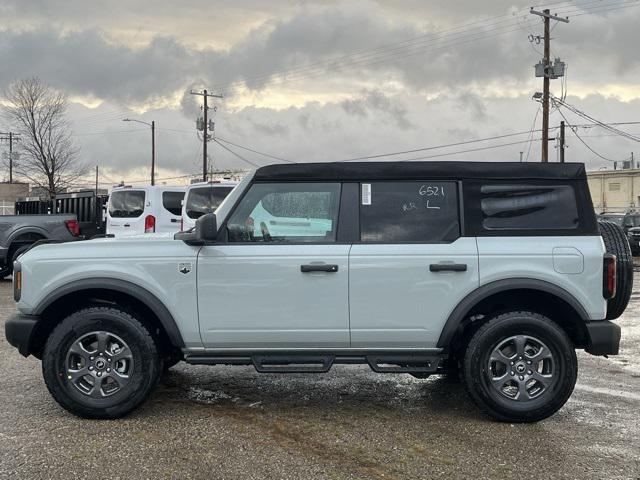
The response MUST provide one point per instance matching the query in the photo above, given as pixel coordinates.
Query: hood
(135, 246)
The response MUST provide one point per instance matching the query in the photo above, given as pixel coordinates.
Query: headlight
(17, 281)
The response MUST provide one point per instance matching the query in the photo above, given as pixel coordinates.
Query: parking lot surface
(230, 422)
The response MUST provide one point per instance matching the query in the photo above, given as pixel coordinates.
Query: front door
(411, 267)
(278, 280)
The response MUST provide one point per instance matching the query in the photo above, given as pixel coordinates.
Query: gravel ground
(231, 423)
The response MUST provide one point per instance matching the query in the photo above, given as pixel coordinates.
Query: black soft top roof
(337, 171)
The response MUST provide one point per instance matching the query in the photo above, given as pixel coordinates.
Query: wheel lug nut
(91, 358)
(513, 373)
(108, 359)
(528, 362)
(99, 374)
(521, 377)
(90, 368)
(529, 372)
(511, 363)
(108, 370)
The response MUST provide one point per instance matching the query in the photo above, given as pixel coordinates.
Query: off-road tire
(12, 256)
(475, 365)
(146, 368)
(616, 243)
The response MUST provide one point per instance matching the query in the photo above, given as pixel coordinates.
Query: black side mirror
(206, 230)
(207, 227)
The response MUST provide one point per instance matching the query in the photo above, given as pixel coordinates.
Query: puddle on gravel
(209, 397)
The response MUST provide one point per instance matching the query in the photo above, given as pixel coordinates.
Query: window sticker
(366, 194)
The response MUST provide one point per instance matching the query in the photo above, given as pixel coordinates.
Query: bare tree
(48, 157)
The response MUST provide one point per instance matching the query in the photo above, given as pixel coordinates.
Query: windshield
(126, 203)
(205, 200)
(632, 221)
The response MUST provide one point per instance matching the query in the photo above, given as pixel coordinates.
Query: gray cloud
(329, 132)
(90, 62)
(429, 92)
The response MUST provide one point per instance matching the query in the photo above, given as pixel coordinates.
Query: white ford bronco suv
(494, 271)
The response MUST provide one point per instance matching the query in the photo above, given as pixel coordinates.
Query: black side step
(217, 360)
(389, 363)
(292, 363)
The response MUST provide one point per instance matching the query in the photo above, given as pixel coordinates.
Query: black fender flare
(122, 286)
(463, 308)
(25, 230)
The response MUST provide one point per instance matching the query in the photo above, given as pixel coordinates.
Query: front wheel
(520, 367)
(100, 363)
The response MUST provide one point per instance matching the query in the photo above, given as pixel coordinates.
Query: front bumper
(604, 338)
(19, 331)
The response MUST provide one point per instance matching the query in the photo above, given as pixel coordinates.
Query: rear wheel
(100, 363)
(520, 367)
(616, 243)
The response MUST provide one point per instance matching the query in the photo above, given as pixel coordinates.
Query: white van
(201, 198)
(137, 210)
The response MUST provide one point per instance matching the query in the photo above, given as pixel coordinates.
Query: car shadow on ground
(344, 389)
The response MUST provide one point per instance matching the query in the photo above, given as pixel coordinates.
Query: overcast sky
(322, 80)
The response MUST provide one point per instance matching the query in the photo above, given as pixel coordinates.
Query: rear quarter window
(126, 203)
(505, 208)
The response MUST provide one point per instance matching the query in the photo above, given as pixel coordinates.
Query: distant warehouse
(615, 190)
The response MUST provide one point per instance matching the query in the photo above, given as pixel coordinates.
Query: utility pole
(562, 141)
(153, 153)
(633, 164)
(521, 156)
(10, 137)
(205, 125)
(153, 145)
(96, 183)
(548, 73)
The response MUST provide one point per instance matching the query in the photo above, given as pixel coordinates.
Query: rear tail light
(149, 224)
(73, 226)
(609, 274)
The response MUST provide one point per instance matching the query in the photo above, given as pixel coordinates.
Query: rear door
(169, 210)
(265, 289)
(411, 266)
(125, 215)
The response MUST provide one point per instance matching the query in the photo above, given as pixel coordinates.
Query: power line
(574, 130)
(588, 117)
(490, 147)
(256, 151)
(236, 154)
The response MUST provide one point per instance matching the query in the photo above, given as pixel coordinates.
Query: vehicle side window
(404, 212)
(286, 212)
(203, 200)
(126, 203)
(172, 201)
(528, 207)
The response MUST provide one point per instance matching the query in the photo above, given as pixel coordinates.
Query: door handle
(319, 267)
(448, 267)
(126, 225)
(175, 220)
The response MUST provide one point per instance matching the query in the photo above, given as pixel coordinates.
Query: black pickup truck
(18, 232)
